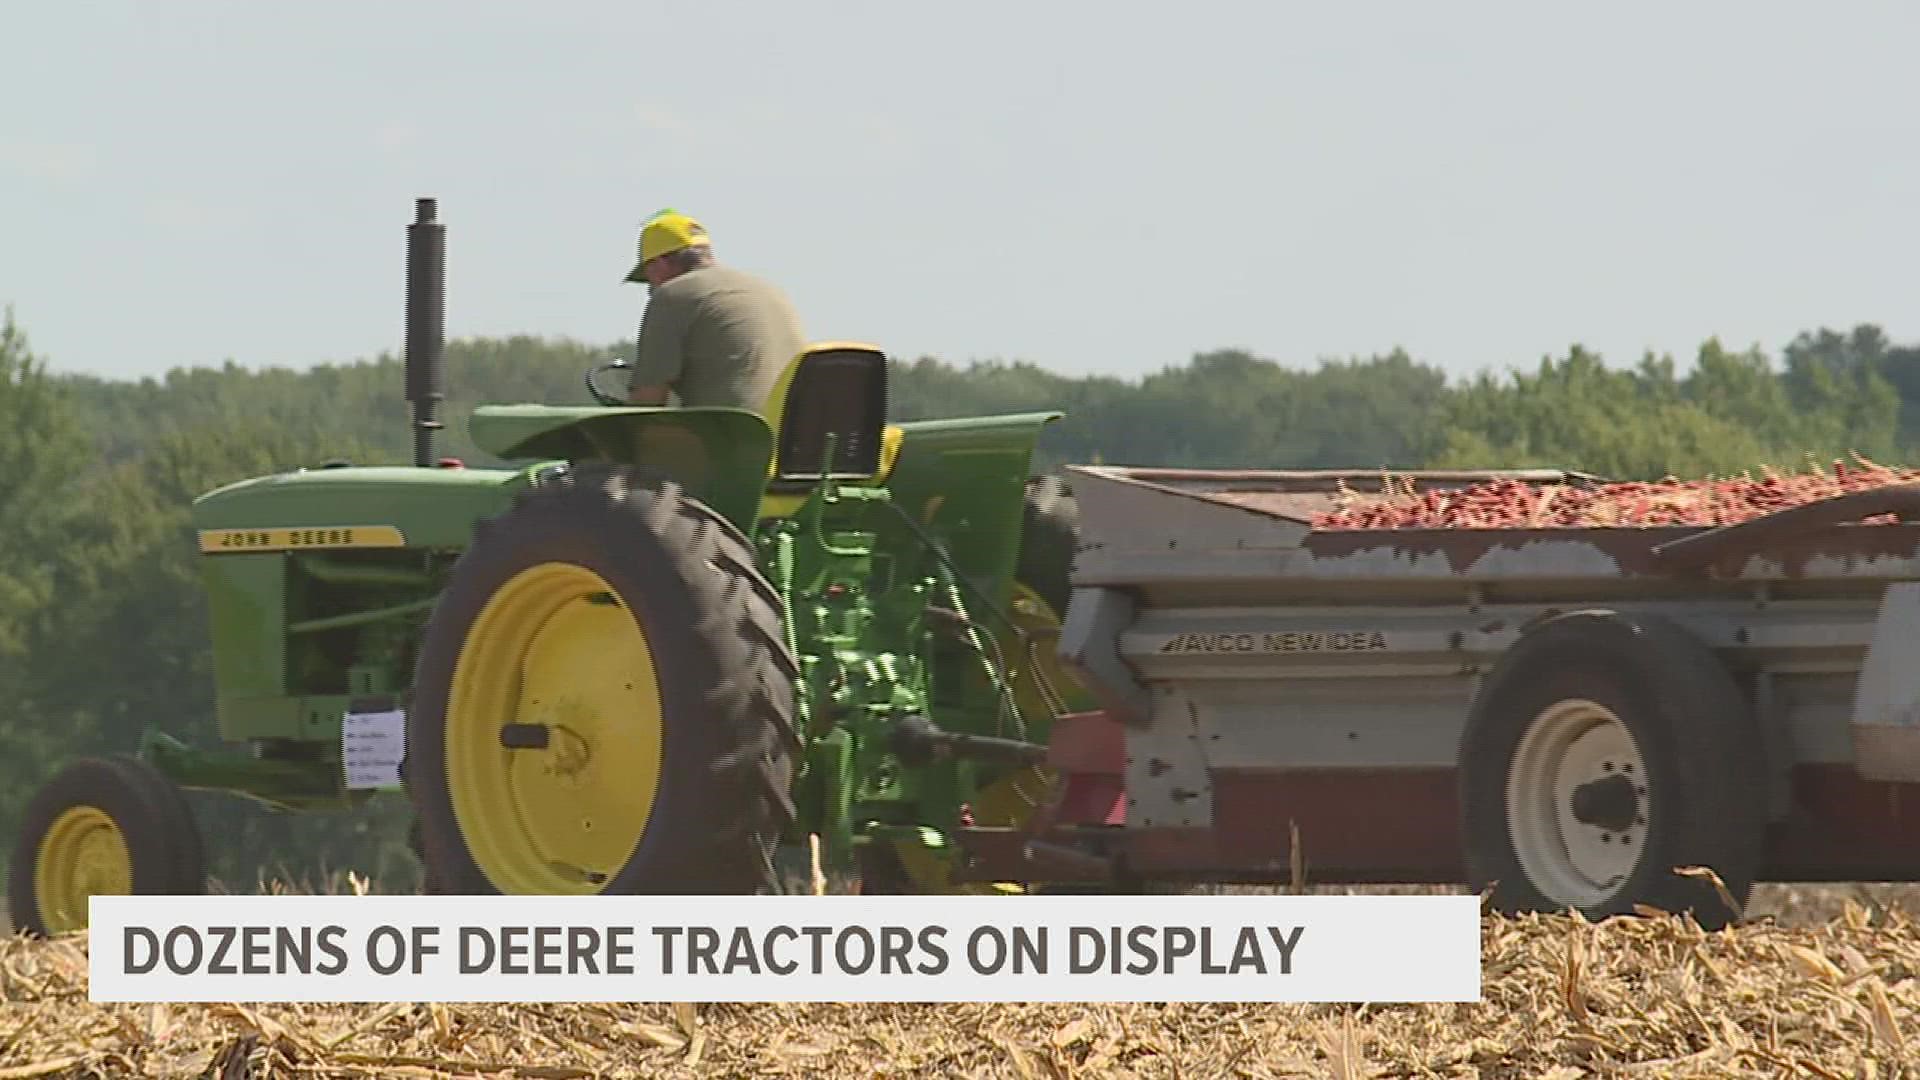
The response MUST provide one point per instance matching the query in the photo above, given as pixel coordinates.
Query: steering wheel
(594, 390)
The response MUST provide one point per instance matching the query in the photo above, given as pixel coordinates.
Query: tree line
(103, 623)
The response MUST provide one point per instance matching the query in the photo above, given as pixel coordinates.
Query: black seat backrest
(836, 389)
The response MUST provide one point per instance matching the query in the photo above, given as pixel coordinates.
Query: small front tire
(103, 826)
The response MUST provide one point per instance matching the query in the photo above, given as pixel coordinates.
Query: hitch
(917, 741)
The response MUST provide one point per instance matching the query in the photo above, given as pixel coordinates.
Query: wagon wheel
(101, 827)
(1603, 756)
(604, 701)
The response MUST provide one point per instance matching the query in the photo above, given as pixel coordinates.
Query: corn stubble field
(1822, 982)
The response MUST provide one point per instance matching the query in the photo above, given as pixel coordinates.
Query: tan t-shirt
(717, 336)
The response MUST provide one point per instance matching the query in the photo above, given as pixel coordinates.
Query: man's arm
(658, 359)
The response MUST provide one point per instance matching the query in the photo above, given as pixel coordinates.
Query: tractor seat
(837, 389)
(840, 391)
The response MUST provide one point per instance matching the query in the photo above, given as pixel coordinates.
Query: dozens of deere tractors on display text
(660, 649)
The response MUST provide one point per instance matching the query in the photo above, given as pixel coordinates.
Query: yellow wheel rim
(555, 647)
(1011, 801)
(1037, 617)
(81, 855)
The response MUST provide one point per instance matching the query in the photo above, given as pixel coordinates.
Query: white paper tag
(371, 745)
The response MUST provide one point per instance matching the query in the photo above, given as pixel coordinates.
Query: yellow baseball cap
(666, 231)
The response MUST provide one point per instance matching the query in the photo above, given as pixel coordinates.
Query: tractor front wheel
(104, 826)
(604, 700)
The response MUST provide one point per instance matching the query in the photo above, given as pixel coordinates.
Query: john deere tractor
(657, 650)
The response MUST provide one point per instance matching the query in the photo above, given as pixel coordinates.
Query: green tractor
(662, 650)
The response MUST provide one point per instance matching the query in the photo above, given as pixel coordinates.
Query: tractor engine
(319, 580)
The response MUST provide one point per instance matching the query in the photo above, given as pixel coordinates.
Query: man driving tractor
(711, 334)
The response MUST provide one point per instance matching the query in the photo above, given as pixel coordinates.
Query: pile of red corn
(1510, 504)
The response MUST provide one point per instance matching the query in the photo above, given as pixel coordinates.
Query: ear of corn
(1513, 504)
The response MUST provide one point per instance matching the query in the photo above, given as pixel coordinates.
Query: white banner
(785, 948)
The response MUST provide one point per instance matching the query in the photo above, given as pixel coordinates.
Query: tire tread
(745, 673)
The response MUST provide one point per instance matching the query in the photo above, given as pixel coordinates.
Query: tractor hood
(366, 506)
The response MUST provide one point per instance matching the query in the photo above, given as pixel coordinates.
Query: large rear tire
(604, 700)
(103, 826)
(1604, 754)
(1049, 538)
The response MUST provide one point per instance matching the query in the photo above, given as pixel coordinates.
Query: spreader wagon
(1577, 717)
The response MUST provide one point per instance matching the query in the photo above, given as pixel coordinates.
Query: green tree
(42, 464)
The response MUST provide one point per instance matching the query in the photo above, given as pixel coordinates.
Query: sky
(1096, 189)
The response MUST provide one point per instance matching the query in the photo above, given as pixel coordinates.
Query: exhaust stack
(426, 326)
